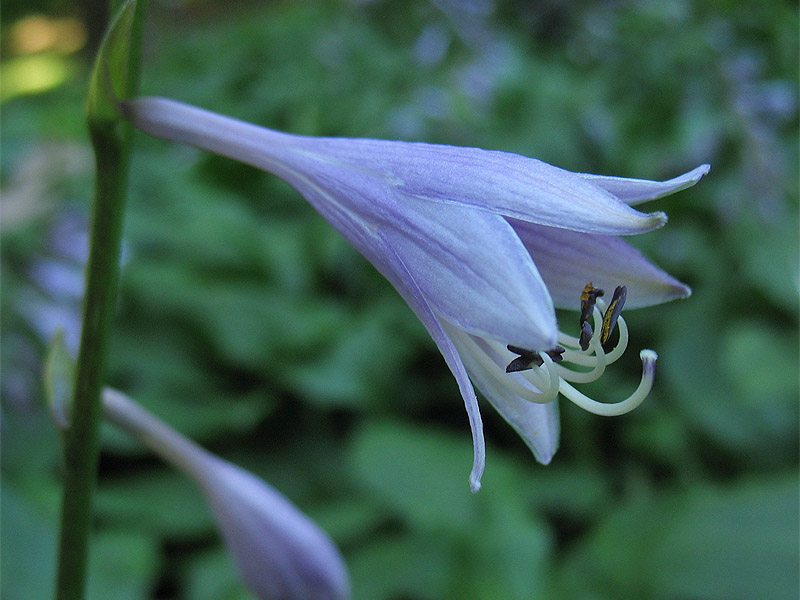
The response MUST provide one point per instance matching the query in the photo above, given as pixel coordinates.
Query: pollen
(612, 313)
(589, 297)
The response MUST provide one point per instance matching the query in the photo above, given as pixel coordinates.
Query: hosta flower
(281, 553)
(483, 246)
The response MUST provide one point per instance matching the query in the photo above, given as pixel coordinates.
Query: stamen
(550, 392)
(619, 408)
(578, 356)
(622, 342)
(535, 375)
(488, 354)
(612, 312)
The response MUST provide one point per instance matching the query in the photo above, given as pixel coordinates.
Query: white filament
(542, 384)
(617, 408)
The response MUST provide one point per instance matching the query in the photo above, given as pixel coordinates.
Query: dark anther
(612, 313)
(556, 354)
(586, 335)
(589, 296)
(527, 359)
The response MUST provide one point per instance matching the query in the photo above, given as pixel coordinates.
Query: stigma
(540, 376)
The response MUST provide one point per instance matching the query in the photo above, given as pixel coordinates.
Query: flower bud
(281, 554)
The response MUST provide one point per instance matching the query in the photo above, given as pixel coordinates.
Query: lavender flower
(483, 246)
(281, 553)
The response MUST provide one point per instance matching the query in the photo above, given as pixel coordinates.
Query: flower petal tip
(698, 173)
(674, 290)
(689, 178)
(474, 485)
(475, 478)
(636, 191)
(657, 219)
(685, 181)
(544, 458)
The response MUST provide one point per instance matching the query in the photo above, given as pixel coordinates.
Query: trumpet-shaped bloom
(483, 245)
(281, 553)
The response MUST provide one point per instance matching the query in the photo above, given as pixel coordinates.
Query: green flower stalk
(115, 75)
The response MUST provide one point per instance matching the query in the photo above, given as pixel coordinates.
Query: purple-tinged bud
(280, 553)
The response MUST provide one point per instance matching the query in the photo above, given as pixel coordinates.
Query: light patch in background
(39, 47)
(39, 33)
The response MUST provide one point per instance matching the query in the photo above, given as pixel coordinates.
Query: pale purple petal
(568, 260)
(537, 424)
(475, 272)
(635, 191)
(499, 182)
(470, 265)
(380, 252)
(404, 281)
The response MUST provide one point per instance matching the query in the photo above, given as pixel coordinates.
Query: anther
(586, 335)
(612, 313)
(556, 354)
(527, 359)
(589, 296)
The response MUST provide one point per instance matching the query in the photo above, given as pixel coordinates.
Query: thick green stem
(111, 140)
(81, 449)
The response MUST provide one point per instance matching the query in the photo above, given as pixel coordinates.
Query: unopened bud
(280, 552)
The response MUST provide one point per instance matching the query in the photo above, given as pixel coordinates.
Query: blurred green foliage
(248, 323)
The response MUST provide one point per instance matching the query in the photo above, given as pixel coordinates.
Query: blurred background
(249, 324)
